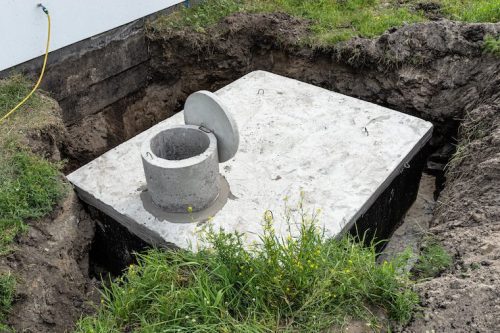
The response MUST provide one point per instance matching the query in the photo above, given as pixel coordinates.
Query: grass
(492, 45)
(470, 130)
(471, 10)
(29, 185)
(7, 288)
(333, 21)
(29, 188)
(300, 283)
(13, 90)
(433, 260)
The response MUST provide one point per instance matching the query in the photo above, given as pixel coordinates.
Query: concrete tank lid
(205, 109)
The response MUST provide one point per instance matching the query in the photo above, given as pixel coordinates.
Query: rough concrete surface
(340, 151)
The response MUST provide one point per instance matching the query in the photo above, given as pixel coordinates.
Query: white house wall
(23, 25)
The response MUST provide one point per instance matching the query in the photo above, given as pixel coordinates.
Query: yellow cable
(39, 79)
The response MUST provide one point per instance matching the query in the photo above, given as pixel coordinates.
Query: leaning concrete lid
(205, 109)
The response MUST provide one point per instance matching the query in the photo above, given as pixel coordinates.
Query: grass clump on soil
(7, 288)
(29, 185)
(300, 283)
(433, 260)
(472, 128)
(333, 21)
(492, 45)
(13, 90)
(29, 188)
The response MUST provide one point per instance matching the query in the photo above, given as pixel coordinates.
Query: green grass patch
(29, 188)
(433, 260)
(13, 90)
(7, 289)
(300, 283)
(492, 45)
(472, 10)
(29, 185)
(333, 21)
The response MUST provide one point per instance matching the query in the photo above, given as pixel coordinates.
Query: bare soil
(467, 221)
(51, 265)
(435, 70)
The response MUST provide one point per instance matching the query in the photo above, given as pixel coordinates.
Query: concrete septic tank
(181, 162)
(357, 161)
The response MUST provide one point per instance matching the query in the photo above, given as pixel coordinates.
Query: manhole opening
(179, 143)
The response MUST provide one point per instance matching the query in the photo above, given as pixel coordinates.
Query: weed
(7, 288)
(492, 45)
(299, 282)
(433, 260)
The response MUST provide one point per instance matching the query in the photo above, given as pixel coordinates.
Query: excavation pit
(358, 162)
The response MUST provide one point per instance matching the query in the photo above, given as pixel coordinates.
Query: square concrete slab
(339, 151)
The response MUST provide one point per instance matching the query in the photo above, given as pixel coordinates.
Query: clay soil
(436, 70)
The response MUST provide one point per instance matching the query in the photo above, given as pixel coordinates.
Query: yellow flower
(190, 209)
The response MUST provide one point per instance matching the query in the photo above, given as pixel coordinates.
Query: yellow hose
(41, 74)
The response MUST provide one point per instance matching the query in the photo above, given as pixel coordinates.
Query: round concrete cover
(205, 109)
